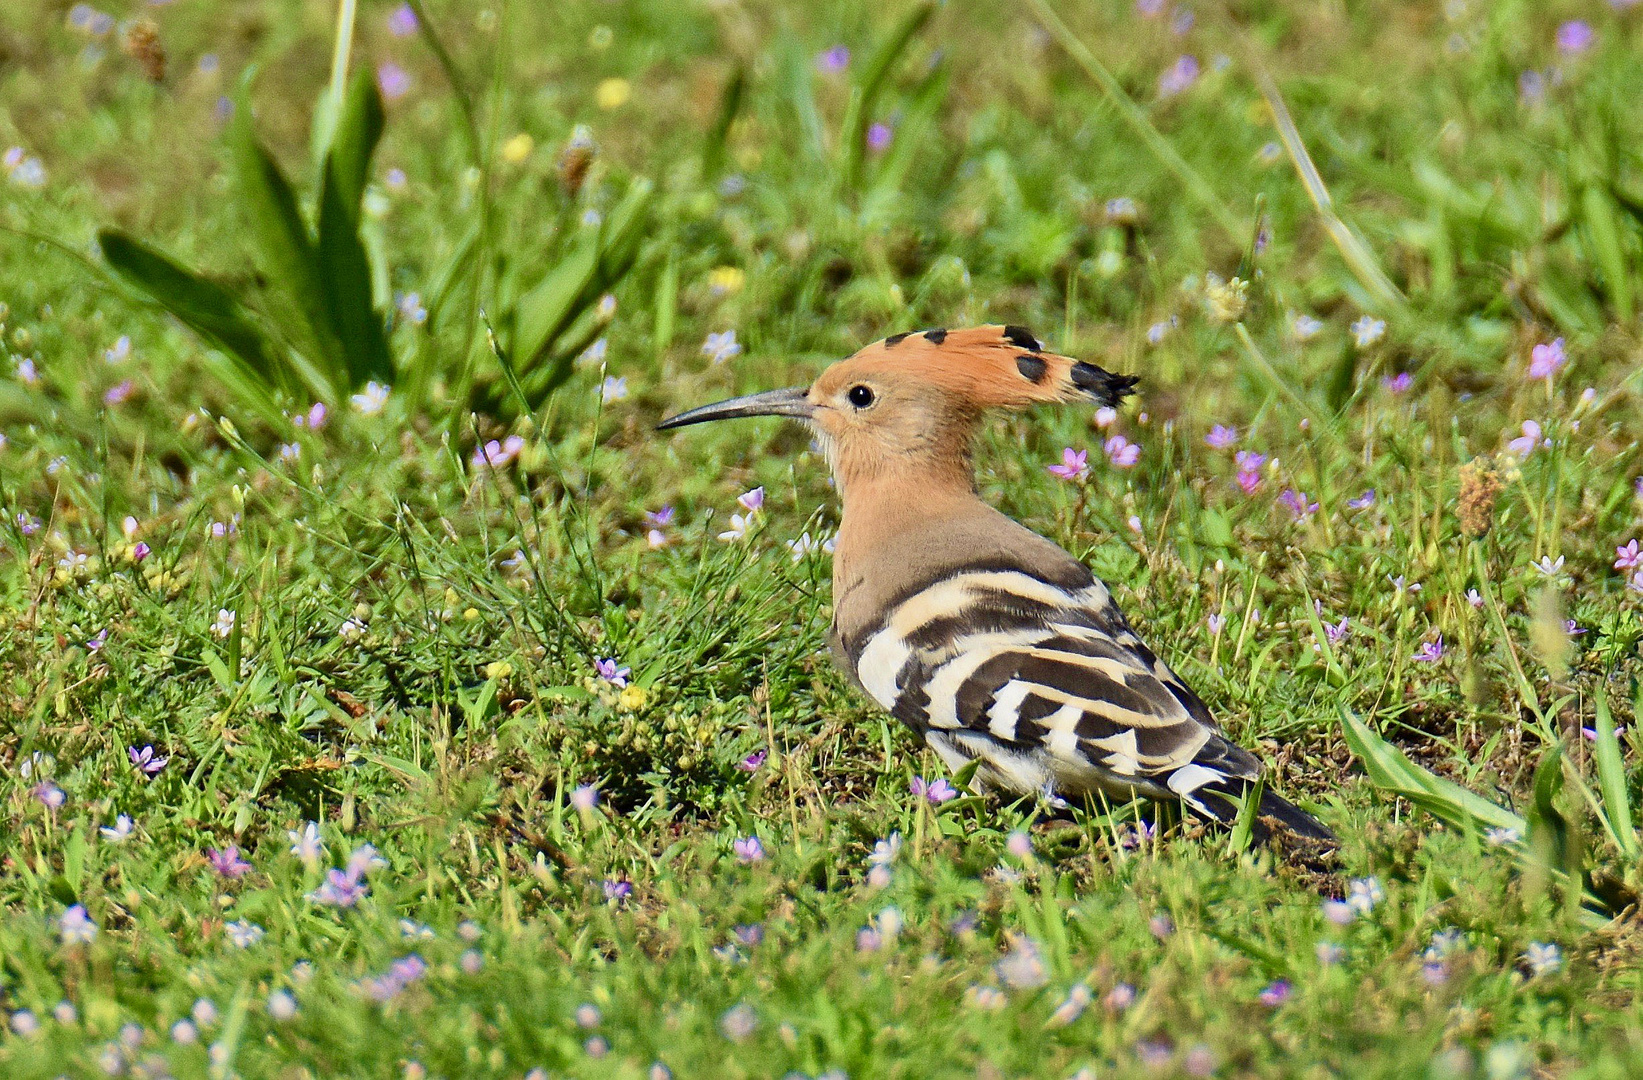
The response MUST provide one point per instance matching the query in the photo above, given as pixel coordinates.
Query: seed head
(1480, 486)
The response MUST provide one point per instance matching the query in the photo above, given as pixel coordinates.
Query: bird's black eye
(861, 396)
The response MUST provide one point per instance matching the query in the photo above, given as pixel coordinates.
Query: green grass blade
(1611, 779)
(730, 104)
(909, 143)
(667, 302)
(866, 94)
(1243, 830)
(1136, 118)
(328, 109)
(1360, 259)
(622, 232)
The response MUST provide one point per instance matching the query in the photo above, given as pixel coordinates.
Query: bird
(988, 640)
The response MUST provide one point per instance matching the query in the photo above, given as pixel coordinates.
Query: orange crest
(1002, 367)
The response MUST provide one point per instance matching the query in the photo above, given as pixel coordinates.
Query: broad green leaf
(1611, 777)
(622, 232)
(285, 249)
(549, 306)
(1390, 770)
(357, 133)
(203, 306)
(1603, 230)
(345, 277)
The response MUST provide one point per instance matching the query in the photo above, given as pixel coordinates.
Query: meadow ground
(379, 696)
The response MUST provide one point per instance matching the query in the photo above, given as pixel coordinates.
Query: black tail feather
(1293, 818)
(1216, 801)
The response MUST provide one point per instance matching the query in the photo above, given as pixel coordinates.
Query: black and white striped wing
(1048, 686)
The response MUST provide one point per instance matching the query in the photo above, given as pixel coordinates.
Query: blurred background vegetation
(332, 340)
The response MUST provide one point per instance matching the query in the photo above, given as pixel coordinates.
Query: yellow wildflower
(725, 280)
(613, 94)
(518, 148)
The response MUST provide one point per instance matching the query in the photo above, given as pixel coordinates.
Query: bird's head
(913, 400)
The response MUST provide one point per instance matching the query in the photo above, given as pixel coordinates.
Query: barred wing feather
(1047, 684)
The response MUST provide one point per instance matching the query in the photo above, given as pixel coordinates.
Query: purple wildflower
(585, 797)
(498, 454)
(1525, 445)
(1149, 9)
(1181, 22)
(751, 762)
(1545, 359)
(878, 137)
(749, 934)
(617, 890)
(119, 392)
(1339, 912)
(1119, 998)
(1180, 75)
(1575, 36)
(1216, 622)
(1277, 993)
(1336, 633)
(1430, 652)
(748, 849)
(935, 791)
(227, 862)
(1399, 383)
(1297, 505)
(739, 1022)
(362, 860)
(751, 501)
(76, 927)
(608, 671)
(834, 60)
(1363, 501)
(146, 760)
(662, 518)
(1249, 480)
(140, 551)
(1121, 452)
(1628, 557)
(402, 21)
(1221, 436)
(1531, 87)
(1074, 464)
(339, 890)
(50, 795)
(393, 80)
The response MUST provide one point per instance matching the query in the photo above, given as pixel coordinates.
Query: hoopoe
(988, 640)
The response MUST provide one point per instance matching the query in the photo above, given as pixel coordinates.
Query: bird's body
(987, 639)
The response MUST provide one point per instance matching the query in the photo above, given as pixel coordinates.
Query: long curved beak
(789, 402)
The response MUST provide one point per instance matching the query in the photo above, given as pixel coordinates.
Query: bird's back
(994, 643)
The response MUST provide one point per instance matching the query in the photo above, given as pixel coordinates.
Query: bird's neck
(882, 510)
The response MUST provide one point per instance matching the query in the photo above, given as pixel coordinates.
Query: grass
(360, 625)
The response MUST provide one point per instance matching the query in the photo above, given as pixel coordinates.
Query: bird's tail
(1216, 801)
